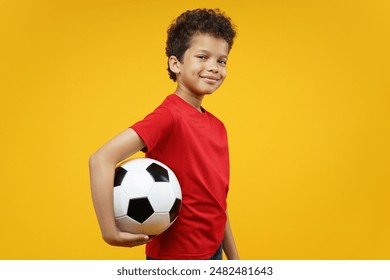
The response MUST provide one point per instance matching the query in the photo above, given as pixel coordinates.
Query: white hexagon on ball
(157, 223)
(161, 197)
(127, 224)
(137, 183)
(175, 186)
(121, 202)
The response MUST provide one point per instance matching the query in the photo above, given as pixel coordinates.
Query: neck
(192, 99)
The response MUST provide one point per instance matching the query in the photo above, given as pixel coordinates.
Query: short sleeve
(155, 128)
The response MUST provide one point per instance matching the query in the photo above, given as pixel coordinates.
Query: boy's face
(203, 67)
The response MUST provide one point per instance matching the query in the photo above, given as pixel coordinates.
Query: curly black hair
(181, 31)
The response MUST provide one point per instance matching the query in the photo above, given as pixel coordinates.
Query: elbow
(102, 158)
(109, 239)
(96, 160)
(93, 159)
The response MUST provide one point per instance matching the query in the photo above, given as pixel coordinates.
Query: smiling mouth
(210, 79)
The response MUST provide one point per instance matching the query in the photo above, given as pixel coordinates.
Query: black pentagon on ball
(159, 173)
(174, 212)
(140, 209)
(120, 173)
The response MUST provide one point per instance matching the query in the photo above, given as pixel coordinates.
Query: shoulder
(168, 105)
(165, 109)
(160, 117)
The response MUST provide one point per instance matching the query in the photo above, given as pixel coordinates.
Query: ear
(174, 64)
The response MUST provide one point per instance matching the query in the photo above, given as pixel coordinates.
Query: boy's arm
(228, 244)
(102, 170)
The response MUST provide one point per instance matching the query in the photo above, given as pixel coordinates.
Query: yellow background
(306, 104)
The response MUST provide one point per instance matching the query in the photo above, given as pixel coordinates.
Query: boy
(184, 136)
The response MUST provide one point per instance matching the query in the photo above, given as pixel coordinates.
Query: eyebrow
(208, 52)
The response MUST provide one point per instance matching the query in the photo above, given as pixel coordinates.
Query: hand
(125, 239)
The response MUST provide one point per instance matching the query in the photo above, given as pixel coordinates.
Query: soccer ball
(147, 196)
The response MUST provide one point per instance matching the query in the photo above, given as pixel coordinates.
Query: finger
(143, 239)
(138, 243)
(131, 240)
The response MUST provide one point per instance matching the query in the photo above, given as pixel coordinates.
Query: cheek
(196, 67)
(223, 73)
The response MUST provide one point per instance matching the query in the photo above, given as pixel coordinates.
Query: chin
(209, 91)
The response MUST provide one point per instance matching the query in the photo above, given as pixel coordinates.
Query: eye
(201, 56)
(223, 62)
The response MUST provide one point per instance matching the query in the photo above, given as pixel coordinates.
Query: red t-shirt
(194, 145)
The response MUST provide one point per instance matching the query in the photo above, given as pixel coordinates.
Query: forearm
(229, 245)
(101, 178)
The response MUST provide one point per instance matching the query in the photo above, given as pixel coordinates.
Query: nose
(212, 66)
